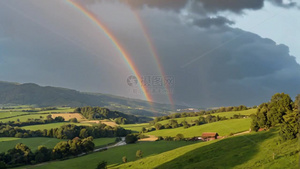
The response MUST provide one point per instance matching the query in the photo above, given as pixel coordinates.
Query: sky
(214, 53)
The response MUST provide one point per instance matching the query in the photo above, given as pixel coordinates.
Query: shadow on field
(226, 153)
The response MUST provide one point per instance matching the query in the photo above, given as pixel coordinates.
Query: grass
(52, 125)
(223, 128)
(7, 114)
(135, 127)
(33, 143)
(7, 143)
(226, 114)
(114, 155)
(253, 150)
(100, 142)
(16, 114)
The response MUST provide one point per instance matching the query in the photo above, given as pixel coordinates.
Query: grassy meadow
(52, 125)
(223, 128)
(114, 155)
(135, 127)
(226, 114)
(7, 143)
(255, 150)
(17, 114)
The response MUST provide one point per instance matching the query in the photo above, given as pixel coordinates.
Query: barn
(209, 136)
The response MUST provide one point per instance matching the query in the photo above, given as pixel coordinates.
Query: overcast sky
(219, 53)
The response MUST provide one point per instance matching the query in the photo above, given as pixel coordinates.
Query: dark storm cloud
(210, 5)
(209, 22)
(241, 67)
(229, 66)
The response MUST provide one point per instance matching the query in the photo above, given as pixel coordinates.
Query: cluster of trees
(200, 113)
(22, 155)
(104, 113)
(48, 119)
(178, 137)
(280, 111)
(69, 131)
(174, 123)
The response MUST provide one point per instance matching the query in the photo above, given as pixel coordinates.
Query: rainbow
(154, 54)
(115, 42)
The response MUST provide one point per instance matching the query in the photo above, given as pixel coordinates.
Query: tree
(185, 124)
(124, 159)
(42, 154)
(173, 123)
(139, 154)
(74, 120)
(59, 119)
(102, 165)
(158, 126)
(291, 123)
(83, 133)
(179, 137)
(2, 165)
(130, 139)
(19, 135)
(144, 130)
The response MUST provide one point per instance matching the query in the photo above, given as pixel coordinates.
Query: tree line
(29, 121)
(174, 123)
(96, 113)
(68, 131)
(22, 154)
(200, 113)
(279, 111)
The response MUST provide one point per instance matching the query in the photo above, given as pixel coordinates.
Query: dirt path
(245, 132)
(151, 138)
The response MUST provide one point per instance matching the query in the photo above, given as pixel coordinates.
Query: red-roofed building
(209, 136)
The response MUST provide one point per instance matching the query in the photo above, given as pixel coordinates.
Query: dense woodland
(94, 113)
(280, 111)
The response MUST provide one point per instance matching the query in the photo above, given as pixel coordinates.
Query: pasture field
(16, 114)
(52, 125)
(7, 114)
(114, 155)
(32, 143)
(7, 143)
(100, 142)
(226, 114)
(24, 118)
(135, 127)
(223, 128)
(254, 150)
(68, 116)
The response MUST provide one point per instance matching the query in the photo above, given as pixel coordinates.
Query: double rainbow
(121, 49)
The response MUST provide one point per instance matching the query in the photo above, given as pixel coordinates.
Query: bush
(139, 154)
(74, 120)
(102, 165)
(130, 139)
(124, 159)
(179, 137)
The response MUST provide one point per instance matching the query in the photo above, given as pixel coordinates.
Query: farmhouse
(209, 136)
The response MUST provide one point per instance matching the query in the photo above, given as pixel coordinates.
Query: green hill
(33, 94)
(226, 114)
(255, 150)
(223, 128)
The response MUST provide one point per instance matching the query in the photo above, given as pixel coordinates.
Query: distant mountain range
(33, 94)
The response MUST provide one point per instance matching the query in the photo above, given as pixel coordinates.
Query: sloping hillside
(32, 94)
(255, 150)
